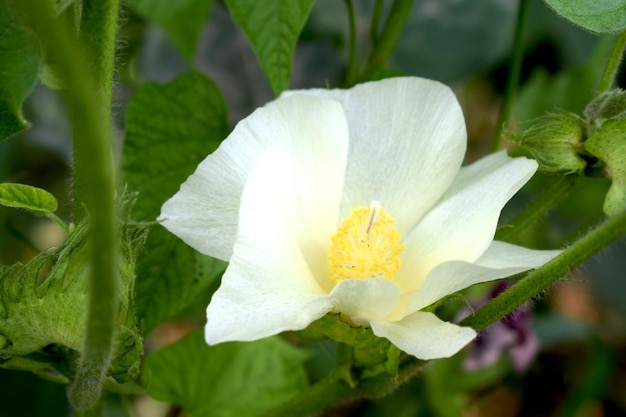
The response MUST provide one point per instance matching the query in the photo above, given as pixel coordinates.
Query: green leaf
(173, 280)
(486, 25)
(569, 90)
(19, 64)
(227, 380)
(182, 20)
(32, 199)
(273, 27)
(595, 16)
(608, 143)
(170, 128)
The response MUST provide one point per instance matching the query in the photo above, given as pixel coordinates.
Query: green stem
(59, 221)
(334, 388)
(89, 107)
(542, 278)
(383, 384)
(612, 66)
(376, 14)
(389, 34)
(351, 72)
(97, 35)
(514, 74)
(93, 166)
(328, 391)
(549, 197)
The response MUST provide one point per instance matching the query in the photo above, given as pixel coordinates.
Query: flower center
(366, 245)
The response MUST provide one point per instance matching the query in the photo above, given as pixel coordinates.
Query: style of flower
(353, 202)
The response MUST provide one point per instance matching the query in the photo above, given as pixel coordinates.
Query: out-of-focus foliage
(479, 33)
(19, 64)
(596, 16)
(182, 20)
(170, 129)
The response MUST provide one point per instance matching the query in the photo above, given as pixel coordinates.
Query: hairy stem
(87, 76)
(59, 221)
(94, 164)
(542, 278)
(514, 74)
(97, 34)
(612, 66)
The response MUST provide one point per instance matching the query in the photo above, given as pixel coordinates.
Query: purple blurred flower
(511, 335)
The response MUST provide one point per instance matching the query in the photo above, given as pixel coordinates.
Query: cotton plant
(351, 202)
(331, 236)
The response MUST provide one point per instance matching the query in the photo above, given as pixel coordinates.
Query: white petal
(462, 225)
(407, 142)
(499, 261)
(504, 255)
(424, 335)
(365, 299)
(268, 286)
(313, 130)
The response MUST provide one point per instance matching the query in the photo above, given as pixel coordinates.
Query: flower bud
(555, 141)
(43, 312)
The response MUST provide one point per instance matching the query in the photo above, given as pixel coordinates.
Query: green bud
(609, 105)
(125, 365)
(555, 141)
(608, 143)
(43, 311)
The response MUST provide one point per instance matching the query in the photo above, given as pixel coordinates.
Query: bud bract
(555, 141)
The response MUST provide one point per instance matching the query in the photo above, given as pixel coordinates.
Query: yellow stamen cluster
(366, 245)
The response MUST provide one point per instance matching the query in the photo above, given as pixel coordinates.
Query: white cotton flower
(354, 202)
